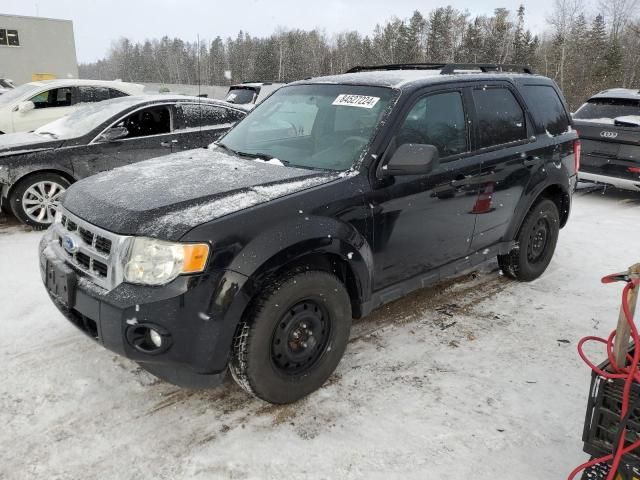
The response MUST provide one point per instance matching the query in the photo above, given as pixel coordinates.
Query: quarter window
(500, 117)
(547, 108)
(437, 120)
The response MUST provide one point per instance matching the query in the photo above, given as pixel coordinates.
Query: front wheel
(536, 243)
(293, 337)
(35, 199)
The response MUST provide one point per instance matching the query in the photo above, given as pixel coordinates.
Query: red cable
(628, 373)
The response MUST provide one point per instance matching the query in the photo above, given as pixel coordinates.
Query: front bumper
(191, 311)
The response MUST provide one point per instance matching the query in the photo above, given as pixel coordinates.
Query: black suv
(609, 127)
(256, 254)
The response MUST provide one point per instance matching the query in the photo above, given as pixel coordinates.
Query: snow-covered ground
(465, 380)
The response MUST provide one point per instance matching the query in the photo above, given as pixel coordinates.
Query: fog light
(155, 338)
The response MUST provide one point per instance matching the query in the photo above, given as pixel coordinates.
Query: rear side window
(500, 117)
(547, 107)
(608, 108)
(200, 115)
(92, 94)
(437, 120)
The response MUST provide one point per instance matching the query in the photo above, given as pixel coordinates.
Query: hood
(168, 196)
(11, 143)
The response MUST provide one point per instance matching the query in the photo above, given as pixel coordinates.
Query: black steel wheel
(535, 243)
(293, 337)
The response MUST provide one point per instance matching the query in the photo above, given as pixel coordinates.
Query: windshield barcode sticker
(361, 101)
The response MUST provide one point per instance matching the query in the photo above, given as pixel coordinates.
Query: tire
(32, 192)
(536, 243)
(274, 358)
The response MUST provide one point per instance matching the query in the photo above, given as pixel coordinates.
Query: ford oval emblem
(606, 134)
(70, 244)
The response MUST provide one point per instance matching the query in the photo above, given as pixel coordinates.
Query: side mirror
(112, 134)
(24, 107)
(412, 159)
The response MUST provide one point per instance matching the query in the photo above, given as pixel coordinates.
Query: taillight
(634, 169)
(577, 151)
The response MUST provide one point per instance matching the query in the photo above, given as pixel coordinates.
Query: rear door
(503, 132)
(199, 124)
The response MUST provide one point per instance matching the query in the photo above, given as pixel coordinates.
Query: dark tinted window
(547, 107)
(149, 121)
(608, 108)
(500, 117)
(58, 97)
(437, 120)
(92, 94)
(3, 36)
(200, 115)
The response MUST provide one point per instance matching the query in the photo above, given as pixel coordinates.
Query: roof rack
(447, 68)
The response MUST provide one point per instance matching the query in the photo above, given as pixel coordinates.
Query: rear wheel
(36, 198)
(536, 243)
(293, 337)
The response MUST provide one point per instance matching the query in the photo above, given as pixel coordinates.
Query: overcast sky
(98, 22)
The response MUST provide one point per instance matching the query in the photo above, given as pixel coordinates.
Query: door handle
(169, 144)
(530, 161)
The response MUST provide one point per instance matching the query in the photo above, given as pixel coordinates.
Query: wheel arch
(68, 175)
(555, 192)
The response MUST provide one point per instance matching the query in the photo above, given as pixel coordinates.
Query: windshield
(607, 109)
(313, 126)
(241, 96)
(83, 120)
(16, 93)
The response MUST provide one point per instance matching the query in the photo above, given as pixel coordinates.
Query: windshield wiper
(230, 150)
(262, 156)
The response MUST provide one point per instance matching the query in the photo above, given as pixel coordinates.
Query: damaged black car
(37, 167)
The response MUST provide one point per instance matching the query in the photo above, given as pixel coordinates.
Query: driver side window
(146, 122)
(58, 97)
(437, 120)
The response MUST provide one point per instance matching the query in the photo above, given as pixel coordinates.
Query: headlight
(155, 262)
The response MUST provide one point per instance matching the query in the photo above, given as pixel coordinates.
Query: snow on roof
(627, 93)
(75, 82)
(402, 78)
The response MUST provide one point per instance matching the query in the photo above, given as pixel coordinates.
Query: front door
(49, 105)
(150, 135)
(421, 222)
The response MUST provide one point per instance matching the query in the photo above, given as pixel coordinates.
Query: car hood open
(168, 196)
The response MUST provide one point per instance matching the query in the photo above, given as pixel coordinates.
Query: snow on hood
(168, 196)
(11, 142)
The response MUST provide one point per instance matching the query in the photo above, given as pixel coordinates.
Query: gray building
(34, 48)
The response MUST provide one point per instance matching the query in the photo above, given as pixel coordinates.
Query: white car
(29, 106)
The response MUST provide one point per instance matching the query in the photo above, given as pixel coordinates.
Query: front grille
(91, 249)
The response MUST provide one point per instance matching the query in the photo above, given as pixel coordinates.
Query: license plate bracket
(61, 282)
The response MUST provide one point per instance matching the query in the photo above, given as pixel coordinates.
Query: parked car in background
(251, 93)
(37, 167)
(256, 253)
(34, 104)
(609, 127)
(6, 85)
